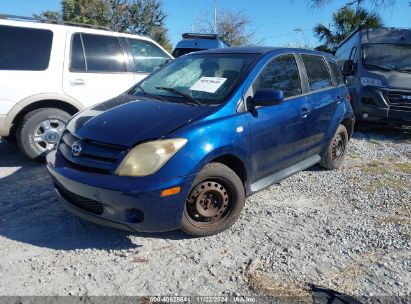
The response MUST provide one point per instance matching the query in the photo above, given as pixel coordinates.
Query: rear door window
(102, 54)
(147, 56)
(24, 49)
(281, 74)
(77, 58)
(317, 72)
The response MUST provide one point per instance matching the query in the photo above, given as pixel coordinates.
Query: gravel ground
(349, 230)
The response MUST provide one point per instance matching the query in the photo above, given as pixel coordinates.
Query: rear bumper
(4, 130)
(120, 198)
(373, 105)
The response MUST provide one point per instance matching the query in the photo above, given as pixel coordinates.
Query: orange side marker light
(171, 191)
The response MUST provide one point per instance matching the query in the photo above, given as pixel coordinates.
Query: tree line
(147, 17)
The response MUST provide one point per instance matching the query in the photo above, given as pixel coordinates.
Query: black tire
(223, 189)
(30, 122)
(337, 150)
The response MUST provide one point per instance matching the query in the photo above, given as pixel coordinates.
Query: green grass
(376, 167)
(398, 220)
(403, 167)
(408, 234)
(374, 141)
(387, 182)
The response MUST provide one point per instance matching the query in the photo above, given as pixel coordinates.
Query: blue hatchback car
(184, 147)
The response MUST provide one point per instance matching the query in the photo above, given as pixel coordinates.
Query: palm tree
(344, 21)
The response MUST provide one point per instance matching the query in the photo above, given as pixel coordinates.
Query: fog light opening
(134, 215)
(365, 115)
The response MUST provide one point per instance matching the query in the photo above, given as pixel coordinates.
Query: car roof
(262, 50)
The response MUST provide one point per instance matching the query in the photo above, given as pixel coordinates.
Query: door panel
(323, 98)
(95, 69)
(323, 106)
(278, 136)
(278, 131)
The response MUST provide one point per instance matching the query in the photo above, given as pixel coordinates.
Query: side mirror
(268, 97)
(348, 68)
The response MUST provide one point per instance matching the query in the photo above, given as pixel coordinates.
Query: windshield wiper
(177, 92)
(150, 95)
(378, 67)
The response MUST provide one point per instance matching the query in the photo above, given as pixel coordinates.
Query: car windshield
(201, 79)
(387, 57)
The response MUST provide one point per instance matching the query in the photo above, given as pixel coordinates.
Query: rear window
(24, 49)
(96, 53)
(183, 51)
(317, 72)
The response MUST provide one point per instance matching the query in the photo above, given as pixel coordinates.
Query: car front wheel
(215, 201)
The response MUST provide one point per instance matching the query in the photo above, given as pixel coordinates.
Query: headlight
(147, 158)
(366, 81)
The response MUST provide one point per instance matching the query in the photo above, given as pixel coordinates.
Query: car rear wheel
(215, 201)
(40, 131)
(337, 150)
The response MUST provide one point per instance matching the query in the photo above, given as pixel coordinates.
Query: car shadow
(369, 131)
(31, 213)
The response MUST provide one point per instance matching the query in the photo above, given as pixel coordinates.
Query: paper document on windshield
(208, 84)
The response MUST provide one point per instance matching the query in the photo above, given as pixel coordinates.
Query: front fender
(207, 140)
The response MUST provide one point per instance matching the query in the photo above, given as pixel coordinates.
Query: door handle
(304, 112)
(338, 100)
(76, 82)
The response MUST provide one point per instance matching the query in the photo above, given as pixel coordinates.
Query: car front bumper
(128, 203)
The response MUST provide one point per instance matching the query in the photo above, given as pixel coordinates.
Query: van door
(324, 99)
(146, 56)
(95, 68)
(278, 131)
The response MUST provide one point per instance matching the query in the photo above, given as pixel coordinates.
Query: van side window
(317, 72)
(24, 49)
(146, 55)
(281, 74)
(102, 54)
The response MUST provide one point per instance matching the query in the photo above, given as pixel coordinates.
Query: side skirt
(280, 175)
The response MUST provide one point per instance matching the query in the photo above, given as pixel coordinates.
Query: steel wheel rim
(210, 202)
(338, 147)
(47, 134)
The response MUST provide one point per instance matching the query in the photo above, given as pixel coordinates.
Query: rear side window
(336, 72)
(281, 74)
(96, 53)
(24, 49)
(317, 72)
(77, 59)
(146, 55)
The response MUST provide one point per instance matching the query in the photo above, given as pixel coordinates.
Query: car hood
(127, 120)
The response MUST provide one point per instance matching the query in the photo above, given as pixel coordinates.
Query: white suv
(48, 72)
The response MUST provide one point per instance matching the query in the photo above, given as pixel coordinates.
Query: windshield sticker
(208, 84)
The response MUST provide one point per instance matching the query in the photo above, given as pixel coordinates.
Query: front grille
(401, 99)
(84, 203)
(94, 156)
